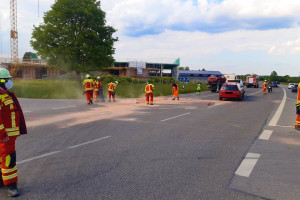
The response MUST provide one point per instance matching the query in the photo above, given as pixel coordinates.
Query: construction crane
(13, 32)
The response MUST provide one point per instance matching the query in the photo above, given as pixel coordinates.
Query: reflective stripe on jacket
(88, 84)
(112, 87)
(149, 88)
(97, 85)
(12, 122)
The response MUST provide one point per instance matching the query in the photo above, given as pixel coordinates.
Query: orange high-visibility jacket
(97, 85)
(149, 88)
(112, 87)
(12, 122)
(265, 84)
(88, 84)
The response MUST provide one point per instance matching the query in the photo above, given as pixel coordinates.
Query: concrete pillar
(174, 72)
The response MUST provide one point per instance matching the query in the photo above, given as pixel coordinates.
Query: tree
(186, 68)
(203, 69)
(180, 68)
(273, 76)
(74, 36)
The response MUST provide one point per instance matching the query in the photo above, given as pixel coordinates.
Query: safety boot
(1, 183)
(173, 99)
(178, 98)
(12, 190)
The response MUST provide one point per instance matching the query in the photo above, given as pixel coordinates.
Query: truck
(215, 82)
(252, 81)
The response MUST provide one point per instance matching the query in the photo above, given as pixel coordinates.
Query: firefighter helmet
(116, 82)
(87, 76)
(4, 73)
(98, 77)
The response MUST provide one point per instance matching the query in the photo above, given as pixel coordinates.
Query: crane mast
(13, 32)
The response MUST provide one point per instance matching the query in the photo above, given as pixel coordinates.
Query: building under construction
(141, 69)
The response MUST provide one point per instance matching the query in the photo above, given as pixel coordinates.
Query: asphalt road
(186, 149)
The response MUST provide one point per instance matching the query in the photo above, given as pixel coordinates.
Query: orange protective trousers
(149, 96)
(111, 94)
(89, 95)
(175, 92)
(297, 123)
(8, 161)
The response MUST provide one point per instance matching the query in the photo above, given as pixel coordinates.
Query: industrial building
(188, 75)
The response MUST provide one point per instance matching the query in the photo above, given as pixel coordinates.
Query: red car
(231, 90)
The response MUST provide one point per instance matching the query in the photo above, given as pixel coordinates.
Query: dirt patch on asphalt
(118, 110)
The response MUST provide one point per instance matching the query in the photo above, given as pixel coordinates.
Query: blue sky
(232, 36)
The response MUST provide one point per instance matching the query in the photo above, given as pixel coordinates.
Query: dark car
(275, 84)
(231, 90)
(294, 88)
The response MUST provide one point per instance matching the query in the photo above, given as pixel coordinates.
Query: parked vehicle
(275, 84)
(291, 85)
(232, 90)
(294, 88)
(215, 82)
(236, 81)
(252, 81)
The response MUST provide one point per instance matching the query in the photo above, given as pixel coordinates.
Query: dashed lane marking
(55, 152)
(64, 107)
(37, 157)
(253, 93)
(291, 99)
(265, 135)
(277, 115)
(247, 165)
(78, 145)
(175, 117)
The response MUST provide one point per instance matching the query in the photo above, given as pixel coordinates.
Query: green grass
(54, 89)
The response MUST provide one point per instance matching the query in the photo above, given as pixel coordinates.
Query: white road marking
(285, 126)
(175, 117)
(254, 93)
(212, 106)
(277, 115)
(64, 107)
(265, 135)
(78, 145)
(27, 111)
(37, 157)
(291, 99)
(191, 108)
(247, 165)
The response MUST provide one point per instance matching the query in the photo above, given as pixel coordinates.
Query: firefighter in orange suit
(98, 89)
(175, 91)
(12, 124)
(88, 84)
(264, 89)
(149, 93)
(297, 123)
(112, 86)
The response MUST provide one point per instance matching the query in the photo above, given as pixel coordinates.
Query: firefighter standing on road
(98, 89)
(112, 86)
(149, 93)
(88, 84)
(12, 124)
(297, 123)
(175, 91)
(264, 89)
(198, 88)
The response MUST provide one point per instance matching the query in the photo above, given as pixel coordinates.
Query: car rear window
(229, 87)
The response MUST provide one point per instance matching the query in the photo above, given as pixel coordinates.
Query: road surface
(194, 148)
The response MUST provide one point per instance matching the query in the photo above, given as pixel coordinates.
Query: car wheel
(220, 98)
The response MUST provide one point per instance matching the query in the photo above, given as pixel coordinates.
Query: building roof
(199, 72)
